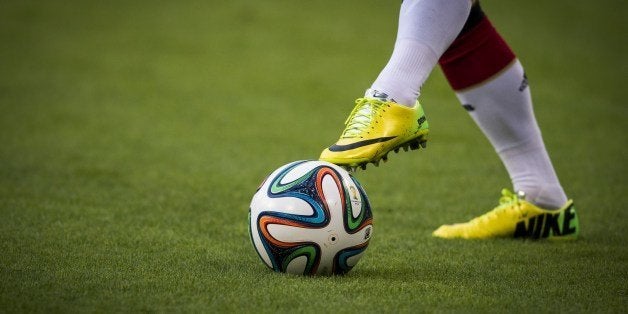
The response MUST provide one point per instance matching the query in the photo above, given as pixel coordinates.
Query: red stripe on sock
(475, 56)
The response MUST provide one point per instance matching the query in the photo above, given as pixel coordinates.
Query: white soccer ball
(310, 218)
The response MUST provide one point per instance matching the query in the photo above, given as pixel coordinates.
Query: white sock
(426, 29)
(502, 108)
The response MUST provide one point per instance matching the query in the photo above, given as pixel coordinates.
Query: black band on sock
(475, 16)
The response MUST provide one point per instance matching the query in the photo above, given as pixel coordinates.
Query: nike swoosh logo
(340, 148)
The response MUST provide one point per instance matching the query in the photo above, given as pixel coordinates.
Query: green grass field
(133, 135)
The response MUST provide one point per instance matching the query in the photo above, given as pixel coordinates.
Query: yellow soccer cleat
(517, 218)
(373, 129)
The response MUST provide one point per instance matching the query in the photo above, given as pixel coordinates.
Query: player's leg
(389, 117)
(491, 85)
(426, 29)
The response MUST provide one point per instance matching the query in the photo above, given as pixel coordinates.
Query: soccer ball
(310, 218)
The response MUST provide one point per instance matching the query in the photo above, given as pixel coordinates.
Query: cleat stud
(363, 166)
(396, 150)
(414, 145)
(385, 158)
(424, 144)
(405, 148)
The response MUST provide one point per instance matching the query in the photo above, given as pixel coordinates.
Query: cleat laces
(508, 201)
(361, 117)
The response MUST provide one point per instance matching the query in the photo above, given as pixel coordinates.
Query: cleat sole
(414, 144)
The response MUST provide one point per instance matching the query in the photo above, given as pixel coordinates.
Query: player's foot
(375, 127)
(517, 218)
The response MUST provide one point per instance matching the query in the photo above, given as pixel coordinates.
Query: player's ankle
(551, 196)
